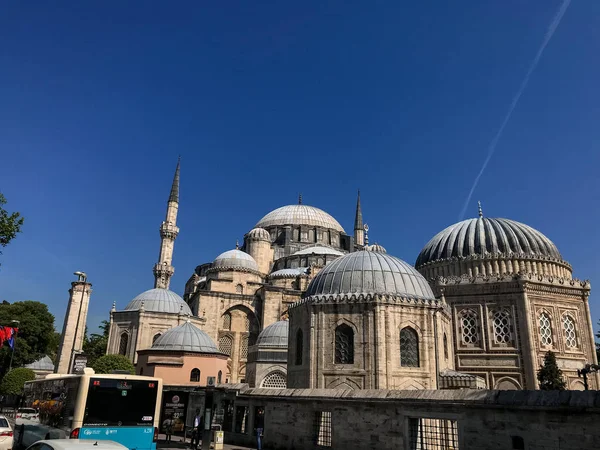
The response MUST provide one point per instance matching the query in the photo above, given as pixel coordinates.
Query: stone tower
(163, 269)
(258, 245)
(359, 232)
(71, 341)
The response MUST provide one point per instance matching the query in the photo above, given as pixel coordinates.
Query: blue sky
(262, 101)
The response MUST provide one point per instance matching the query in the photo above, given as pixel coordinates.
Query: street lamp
(12, 355)
(81, 276)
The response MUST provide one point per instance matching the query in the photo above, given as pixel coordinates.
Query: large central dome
(299, 215)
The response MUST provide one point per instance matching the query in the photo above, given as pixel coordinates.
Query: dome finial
(300, 198)
(480, 210)
(237, 244)
(366, 227)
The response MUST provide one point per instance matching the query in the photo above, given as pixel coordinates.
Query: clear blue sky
(267, 99)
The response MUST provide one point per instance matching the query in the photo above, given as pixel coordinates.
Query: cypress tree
(550, 376)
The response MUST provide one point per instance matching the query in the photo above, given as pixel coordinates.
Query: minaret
(359, 232)
(163, 269)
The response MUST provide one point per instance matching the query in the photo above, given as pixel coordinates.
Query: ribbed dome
(186, 338)
(375, 248)
(289, 273)
(45, 363)
(299, 215)
(235, 259)
(259, 234)
(318, 250)
(275, 335)
(370, 273)
(159, 300)
(484, 236)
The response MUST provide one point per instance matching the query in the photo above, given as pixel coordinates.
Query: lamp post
(81, 276)
(12, 355)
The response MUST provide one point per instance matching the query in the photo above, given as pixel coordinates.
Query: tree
(36, 331)
(95, 346)
(53, 344)
(109, 363)
(13, 381)
(550, 376)
(10, 224)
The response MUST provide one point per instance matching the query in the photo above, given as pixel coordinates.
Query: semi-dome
(275, 335)
(289, 273)
(159, 300)
(185, 338)
(299, 215)
(367, 272)
(375, 248)
(318, 250)
(235, 260)
(259, 234)
(487, 237)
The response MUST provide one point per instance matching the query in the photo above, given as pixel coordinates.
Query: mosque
(302, 304)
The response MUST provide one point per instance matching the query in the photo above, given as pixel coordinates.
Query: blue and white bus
(116, 407)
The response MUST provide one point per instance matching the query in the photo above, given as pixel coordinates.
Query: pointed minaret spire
(359, 232)
(480, 210)
(163, 269)
(300, 198)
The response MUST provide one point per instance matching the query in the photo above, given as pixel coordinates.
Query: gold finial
(300, 198)
(480, 210)
(237, 244)
(366, 228)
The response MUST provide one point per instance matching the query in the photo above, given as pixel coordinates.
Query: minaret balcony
(168, 230)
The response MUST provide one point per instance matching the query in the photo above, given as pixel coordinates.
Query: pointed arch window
(239, 289)
(155, 337)
(225, 345)
(344, 344)
(123, 342)
(469, 327)
(274, 380)
(545, 330)
(220, 376)
(445, 346)
(226, 321)
(409, 347)
(195, 375)
(570, 333)
(244, 348)
(299, 343)
(501, 323)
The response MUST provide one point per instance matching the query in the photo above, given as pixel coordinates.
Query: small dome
(299, 215)
(318, 250)
(375, 248)
(186, 338)
(235, 260)
(159, 300)
(44, 363)
(289, 273)
(367, 272)
(484, 236)
(275, 335)
(259, 234)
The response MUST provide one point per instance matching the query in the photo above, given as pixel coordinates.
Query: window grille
(409, 348)
(570, 335)
(275, 380)
(244, 348)
(195, 375)
(156, 336)
(445, 346)
(545, 329)
(123, 344)
(225, 345)
(501, 325)
(432, 434)
(227, 321)
(247, 323)
(344, 344)
(470, 327)
(299, 342)
(323, 429)
(239, 289)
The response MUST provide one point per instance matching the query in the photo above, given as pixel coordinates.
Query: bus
(118, 407)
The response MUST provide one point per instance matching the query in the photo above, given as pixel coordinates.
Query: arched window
(409, 347)
(501, 326)
(570, 334)
(299, 342)
(445, 346)
(195, 375)
(274, 380)
(220, 376)
(155, 337)
(469, 326)
(227, 321)
(244, 347)
(225, 345)
(545, 329)
(344, 344)
(239, 289)
(123, 344)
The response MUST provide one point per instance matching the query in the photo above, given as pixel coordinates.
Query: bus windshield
(120, 403)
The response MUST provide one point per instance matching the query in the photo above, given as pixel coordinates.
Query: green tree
(95, 346)
(550, 376)
(53, 344)
(13, 381)
(109, 363)
(36, 331)
(10, 224)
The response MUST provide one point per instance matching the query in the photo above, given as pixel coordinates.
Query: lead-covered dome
(299, 215)
(185, 338)
(318, 250)
(368, 272)
(275, 335)
(235, 260)
(159, 300)
(259, 234)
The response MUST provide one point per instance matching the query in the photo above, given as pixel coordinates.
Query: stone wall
(382, 419)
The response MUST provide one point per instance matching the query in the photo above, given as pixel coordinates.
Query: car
(6, 434)
(29, 414)
(76, 444)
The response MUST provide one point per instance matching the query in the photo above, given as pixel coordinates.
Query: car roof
(81, 444)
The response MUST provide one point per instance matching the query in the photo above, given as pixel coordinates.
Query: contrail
(515, 100)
